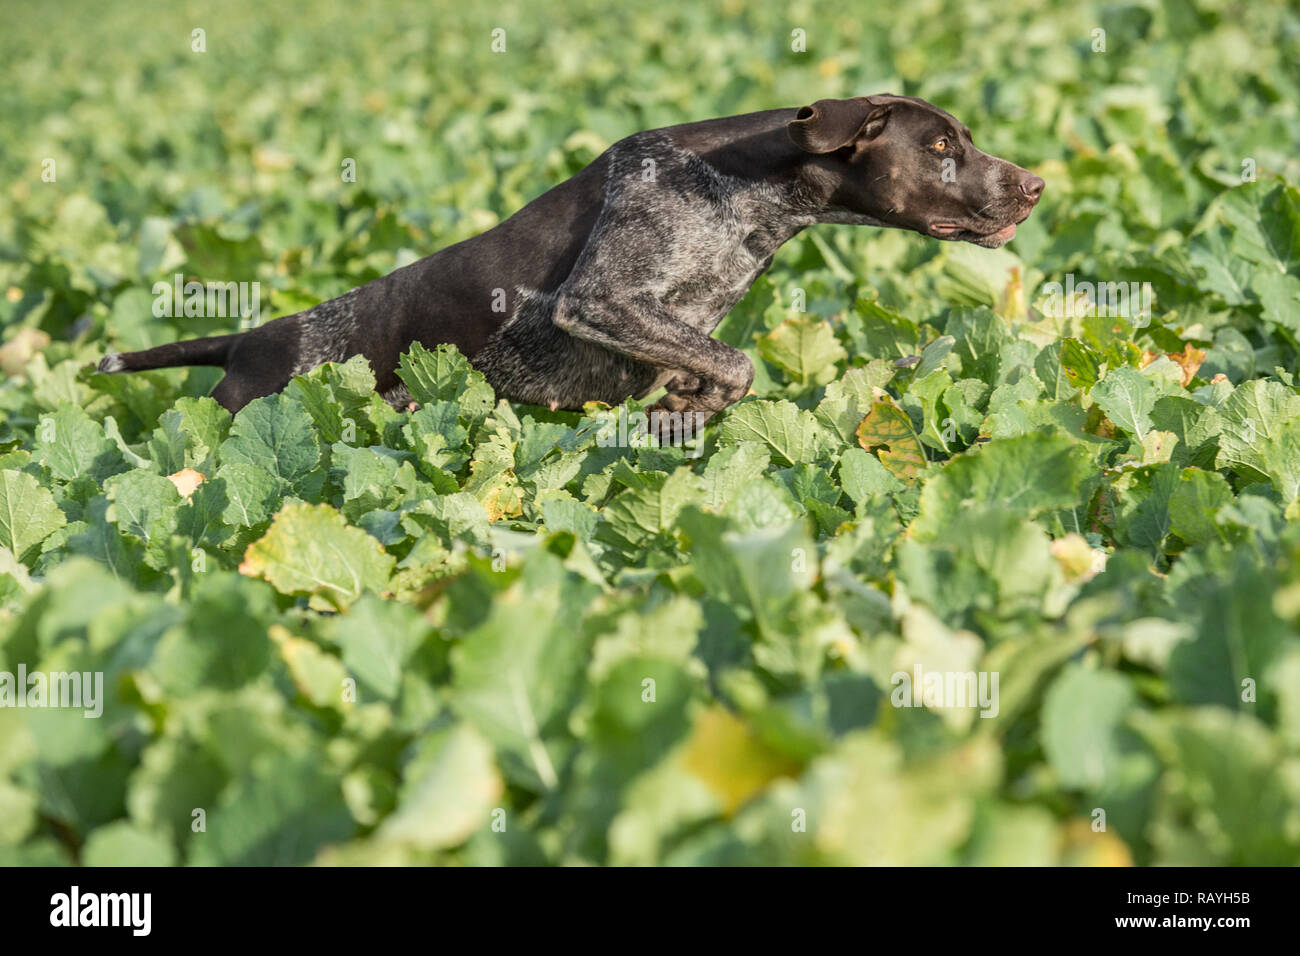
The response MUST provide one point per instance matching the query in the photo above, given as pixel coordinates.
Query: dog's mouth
(947, 229)
(986, 230)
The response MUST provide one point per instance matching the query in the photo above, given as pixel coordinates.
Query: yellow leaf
(318, 676)
(1077, 558)
(730, 760)
(1085, 847)
(271, 159)
(887, 431)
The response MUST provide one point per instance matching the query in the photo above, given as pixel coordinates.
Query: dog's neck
(801, 183)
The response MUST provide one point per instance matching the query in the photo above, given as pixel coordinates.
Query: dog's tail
(210, 351)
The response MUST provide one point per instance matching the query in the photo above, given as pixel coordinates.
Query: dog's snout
(1032, 187)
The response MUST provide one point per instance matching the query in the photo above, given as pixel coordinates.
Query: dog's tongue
(1007, 234)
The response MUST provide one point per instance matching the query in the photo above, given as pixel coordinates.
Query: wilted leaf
(888, 432)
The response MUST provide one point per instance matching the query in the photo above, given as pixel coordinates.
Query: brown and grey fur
(613, 281)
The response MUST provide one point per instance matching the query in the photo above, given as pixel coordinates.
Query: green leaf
(1127, 397)
(28, 513)
(310, 550)
(1260, 439)
(1029, 474)
(445, 375)
(251, 494)
(126, 844)
(1080, 363)
(188, 435)
(450, 791)
(885, 333)
(1227, 782)
(805, 349)
(1083, 726)
(849, 398)
(1195, 504)
(276, 435)
(729, 469)
(1142, 511)
(278, 815)
(335, 396)
(792, 433)
(70, 444)
(518, 675)
(144, 504)
(377, 638)
(862, 475)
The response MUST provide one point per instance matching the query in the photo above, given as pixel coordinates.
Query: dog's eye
(940, 145)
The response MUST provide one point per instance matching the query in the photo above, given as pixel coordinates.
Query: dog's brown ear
(828, 125)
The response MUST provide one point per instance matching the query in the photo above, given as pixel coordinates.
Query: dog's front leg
(711, 374)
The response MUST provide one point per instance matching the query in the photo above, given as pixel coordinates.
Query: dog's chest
(714, 273)
(715, 251)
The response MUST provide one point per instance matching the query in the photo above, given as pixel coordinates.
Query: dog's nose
(1032, 186)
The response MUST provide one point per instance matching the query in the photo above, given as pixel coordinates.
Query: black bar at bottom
(335, 905)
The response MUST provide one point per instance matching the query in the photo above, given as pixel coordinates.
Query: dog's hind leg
(260, 364)
(236, 390)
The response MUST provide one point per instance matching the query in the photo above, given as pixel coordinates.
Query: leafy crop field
(485, 633)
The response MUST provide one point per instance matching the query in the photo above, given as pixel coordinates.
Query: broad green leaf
(125, 844)
(1227, 782)
(279, 814)
(451, 789)
(28, 513)
(69, 443)
(1195, 503)
(251, 494)
(1260, 439)
(144, 504)
(805, 349)
(1127, 397)
(445, 375)
(1028, 474)
(518, 674)
(310, 550)
(793, 434)
(377, 637)
(276, 435)
(862, 475)
(1083, 726)
(335, 396)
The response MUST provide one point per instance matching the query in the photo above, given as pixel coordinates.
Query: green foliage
(474, 632)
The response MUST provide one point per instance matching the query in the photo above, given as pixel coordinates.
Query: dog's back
(459, 295)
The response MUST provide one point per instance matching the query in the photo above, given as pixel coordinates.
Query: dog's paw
(676, 423)
(691, 393)
(673, 402)
(683, 383)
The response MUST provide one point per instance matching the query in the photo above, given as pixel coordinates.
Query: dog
(609, 286)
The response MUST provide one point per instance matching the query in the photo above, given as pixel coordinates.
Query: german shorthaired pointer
(609, 285)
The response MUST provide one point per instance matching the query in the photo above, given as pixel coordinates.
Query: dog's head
(902, 162)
